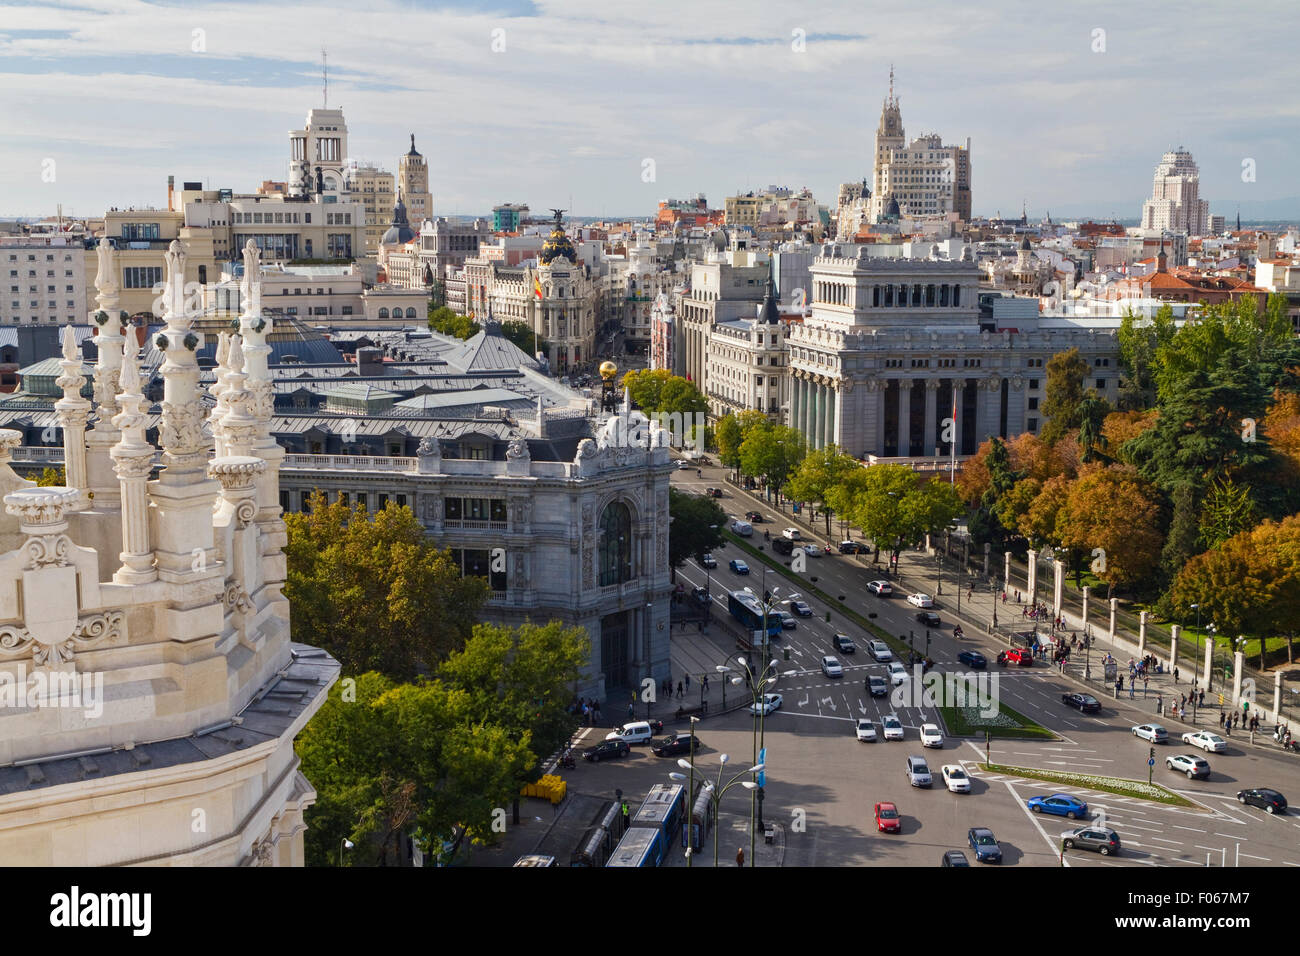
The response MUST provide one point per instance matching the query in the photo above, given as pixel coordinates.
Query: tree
(773, 452)
(1092, 417)
(443, 320)
(1228, 510)
(818, 473)
(1065, 373)
(1114, 509)
(1120, 427)
(895, 508)
(695, 526)
(523, 337)
(728, 435)
(54, 477)
(373, 591)
(1139, 341)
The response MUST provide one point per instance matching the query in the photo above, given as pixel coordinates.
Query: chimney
(370, 362)
(171, 192)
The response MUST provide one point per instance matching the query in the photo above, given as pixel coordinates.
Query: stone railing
(349, 463)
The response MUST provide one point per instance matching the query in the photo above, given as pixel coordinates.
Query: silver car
(918, 772)
(831, 667)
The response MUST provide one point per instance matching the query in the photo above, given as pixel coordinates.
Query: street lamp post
(758, 684)
(345, 845)
(938, 576)
(718, 791)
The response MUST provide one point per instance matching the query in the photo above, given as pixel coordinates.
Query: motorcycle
(567, 761)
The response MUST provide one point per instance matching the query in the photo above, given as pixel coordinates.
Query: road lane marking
(1051, 844)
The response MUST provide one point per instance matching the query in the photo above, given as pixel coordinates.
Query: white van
(742, 528)
(637, 732)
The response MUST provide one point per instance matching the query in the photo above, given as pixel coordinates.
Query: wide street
(822, 782)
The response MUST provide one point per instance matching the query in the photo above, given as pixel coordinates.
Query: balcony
(474, 524)
(349, 463)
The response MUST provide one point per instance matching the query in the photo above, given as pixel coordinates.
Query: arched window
(410, 313)
(615, 544)
(383, 313)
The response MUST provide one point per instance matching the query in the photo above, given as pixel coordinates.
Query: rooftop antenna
(325, 79)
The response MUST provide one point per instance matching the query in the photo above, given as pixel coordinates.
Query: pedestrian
(1004, 597)
(740, 857)
(1175, 673)
(631, 711)
(1200, 698)
(1160, 703)
(1145, 681)
(1221, 719)
(704, 683)
(679, 690)
(688, 682)
(1130, 689)
(1227, 728)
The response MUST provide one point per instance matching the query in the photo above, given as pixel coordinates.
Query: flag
(537, 286)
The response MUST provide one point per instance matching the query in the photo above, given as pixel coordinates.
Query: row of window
(34, 289)
(397, 313)
(49, 257)
(35, 304)
(31, 273)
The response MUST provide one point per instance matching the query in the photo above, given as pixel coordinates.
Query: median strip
(1119, 786)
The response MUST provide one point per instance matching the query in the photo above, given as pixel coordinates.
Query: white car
(683, 466)
(893, 727)
(880, 651)
(831, 667)
(769, 703)
(920, 600)
(880, 588)
(1210, 743)
(811, 550)
(955, 779)
(897, 673)
(866, 731)
(931, 736)
(791, 533)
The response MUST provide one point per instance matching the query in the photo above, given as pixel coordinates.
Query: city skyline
(575, 100)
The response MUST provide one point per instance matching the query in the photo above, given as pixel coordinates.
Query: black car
(783, 546)
(673, 745)
(1084, 703)
(955, 858)
(928, 618)
(607, 748)
(853, 547)
(753, 517)
(844, 644)
(973, 659)
(1269, 799)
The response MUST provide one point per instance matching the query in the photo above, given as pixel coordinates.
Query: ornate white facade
(164, 593)
(1176, 204)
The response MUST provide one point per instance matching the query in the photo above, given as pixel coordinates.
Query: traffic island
(959, 721)
(1119, 786)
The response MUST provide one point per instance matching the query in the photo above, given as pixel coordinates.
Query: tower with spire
(889, 136)
(413, 183)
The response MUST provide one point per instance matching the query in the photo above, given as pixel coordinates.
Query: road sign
(1151, 762)
(762, 774)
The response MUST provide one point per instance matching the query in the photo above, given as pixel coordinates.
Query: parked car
(877, 686)
(927, 618)
(920, 600)
(1151, 732)
(880, 588)
(1189, 764)
(832, 667)
(684, 466)
(955, 778)
(918, 772)
(1084, 703)
(973, 659)
(675, 744)
(985, 845)
(754, 517)
(769, 703)
(844, 644)
(1266, 797)
(897, 673)
(1021, 656)
(791, 533)
(1102, 839)
(800, 608)
(853, 547)
(1210, 743)
(866, 731)
(606, 749)
(740, 567)
(955, 858)
(709, 561)
(931, 736)
(887, 818)
(880, 651)
(893, 727)
(1059, 804)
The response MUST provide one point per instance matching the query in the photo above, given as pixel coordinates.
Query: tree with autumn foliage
(1115, 509)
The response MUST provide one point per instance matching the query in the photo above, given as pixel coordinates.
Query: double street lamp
(758, 685)
(716, 792)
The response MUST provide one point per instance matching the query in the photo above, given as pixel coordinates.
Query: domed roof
(892, 209)
(1024, 244)
(720, 239)
(400, 232)
(557, 245)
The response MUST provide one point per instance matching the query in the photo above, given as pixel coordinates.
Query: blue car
(1060, 804)
(985, 845)
(973, 659)
(740, 567)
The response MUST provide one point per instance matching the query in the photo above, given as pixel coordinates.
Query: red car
(1022, 656)
(887, 818)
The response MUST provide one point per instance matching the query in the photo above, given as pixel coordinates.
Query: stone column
(1087, 592)
(931, 413)
(1142, 633)
(1174, 632)
(1058, 587)
(832, 400)
(905, 417)
(254, 327)
(1114, 609)
(1207, 673)
(1277, 696)
(1031, 583)
(1006, 570)
(819, 414)
(112, 325)
(73, 412)
(133, 461)
(987, 547)
(874, 427)
(1238, 665)
(958, 395)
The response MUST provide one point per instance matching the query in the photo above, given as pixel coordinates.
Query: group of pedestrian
(589, 709)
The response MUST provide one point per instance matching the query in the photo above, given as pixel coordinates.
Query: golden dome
(608, 370)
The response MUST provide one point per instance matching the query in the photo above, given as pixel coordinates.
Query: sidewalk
(917, 571)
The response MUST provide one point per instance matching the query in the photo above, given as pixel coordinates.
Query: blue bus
(640, 846)
(662, 810)
(746, 609)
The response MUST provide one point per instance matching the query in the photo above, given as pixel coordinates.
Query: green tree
(728, 435)
(373, 591)
(895, 508)
(695, 526)
(523, 337)
(1228, 511)
(1139, 340)
(1092, 416)
(773, 452)
(817, 474)
(1065, 373)
(52, 477)
(446, 322)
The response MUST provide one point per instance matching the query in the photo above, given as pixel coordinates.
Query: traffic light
(1152, 754)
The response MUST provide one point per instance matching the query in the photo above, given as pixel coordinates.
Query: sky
(605, 107)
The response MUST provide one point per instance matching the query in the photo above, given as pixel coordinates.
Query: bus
(744, 607)
(701, 819)
(662, 810)
(640, 846)
(601, 837)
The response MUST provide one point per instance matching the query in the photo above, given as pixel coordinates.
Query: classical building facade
(144, 620)
(894, 360)
(373, 189)
(925, 177)
(44, 280)
(747, 362)
(318, 156)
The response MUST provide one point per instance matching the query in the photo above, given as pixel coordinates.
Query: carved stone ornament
(17, 641)
(236, 598)
(181, 429)
(518, 450)
(428, 448)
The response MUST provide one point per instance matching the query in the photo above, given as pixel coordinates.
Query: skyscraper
(1175, 204)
